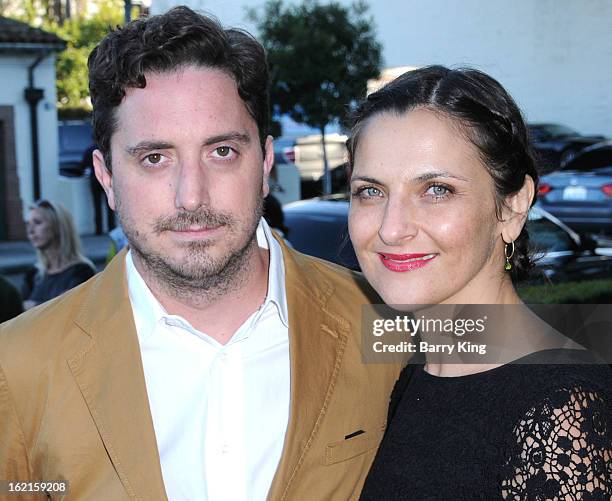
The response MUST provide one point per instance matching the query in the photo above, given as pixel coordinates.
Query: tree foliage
(320, 57)
(81, 33)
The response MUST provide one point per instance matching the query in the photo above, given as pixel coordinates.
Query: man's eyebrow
(144, 146)
(228, 136)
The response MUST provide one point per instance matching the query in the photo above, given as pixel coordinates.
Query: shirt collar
(148, 311)
(276, 271)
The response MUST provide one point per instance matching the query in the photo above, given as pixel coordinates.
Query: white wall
(73, 194)
(554, 56)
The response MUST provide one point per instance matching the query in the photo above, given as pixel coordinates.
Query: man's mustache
(202, 218)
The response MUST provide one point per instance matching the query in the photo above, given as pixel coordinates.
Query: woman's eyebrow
(436, 174)
(366, 179)
(419, 179)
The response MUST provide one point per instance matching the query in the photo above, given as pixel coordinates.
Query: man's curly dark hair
(178, 38)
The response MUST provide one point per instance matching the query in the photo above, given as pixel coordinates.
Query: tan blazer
(74, 406)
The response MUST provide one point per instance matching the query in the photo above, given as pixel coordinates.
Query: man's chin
(190, 268)
(193, 272)
(197, 268)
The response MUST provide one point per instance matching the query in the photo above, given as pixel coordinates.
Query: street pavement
(17, 257)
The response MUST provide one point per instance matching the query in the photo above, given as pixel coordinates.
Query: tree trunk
(127, 11)
(327, 182)
(58, 11)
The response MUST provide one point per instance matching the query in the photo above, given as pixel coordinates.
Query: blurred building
(29, 148)
(552, 55)
(28, 121)
(60, 10)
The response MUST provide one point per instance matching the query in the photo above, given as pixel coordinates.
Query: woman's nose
(398, 224)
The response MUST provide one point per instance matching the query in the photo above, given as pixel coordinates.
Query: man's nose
(192, 188)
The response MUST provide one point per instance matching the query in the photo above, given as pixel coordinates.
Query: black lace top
(523, 432)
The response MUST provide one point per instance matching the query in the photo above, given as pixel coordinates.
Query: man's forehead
(189, 98)
(190, 78)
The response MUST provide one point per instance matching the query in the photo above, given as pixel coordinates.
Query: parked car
(319, 227)
(556, 144)
(592, 157)
(75, 136)
(581, 193)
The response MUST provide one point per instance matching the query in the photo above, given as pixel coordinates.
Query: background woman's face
(40, 231)
(422, 218)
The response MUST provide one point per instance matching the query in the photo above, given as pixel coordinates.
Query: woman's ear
(516, 209)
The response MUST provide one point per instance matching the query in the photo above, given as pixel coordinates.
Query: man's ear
(268, 163)
(516, 209)
(104, 177)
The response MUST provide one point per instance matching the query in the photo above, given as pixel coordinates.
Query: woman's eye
(439, 191)
(372, 192)
(366, 192)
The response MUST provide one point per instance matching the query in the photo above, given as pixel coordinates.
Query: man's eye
(154, 158)
(223, 151)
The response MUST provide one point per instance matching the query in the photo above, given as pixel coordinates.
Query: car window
(544, 235)
(558, 131)
(323, 236)
(279, 158)
(590, 160)
(75, 137)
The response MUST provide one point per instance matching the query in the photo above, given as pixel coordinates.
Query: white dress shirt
(220, 412)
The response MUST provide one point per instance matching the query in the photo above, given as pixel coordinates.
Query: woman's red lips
(401, 257)
(405, 262)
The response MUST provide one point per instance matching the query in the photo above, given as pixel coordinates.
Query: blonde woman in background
(60, 265)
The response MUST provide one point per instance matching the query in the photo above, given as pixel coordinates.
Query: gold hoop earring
(508, 265)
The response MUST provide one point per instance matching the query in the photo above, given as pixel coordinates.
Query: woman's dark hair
(164, 43)
(487, 115)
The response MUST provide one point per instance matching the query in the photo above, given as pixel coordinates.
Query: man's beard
(199, 272)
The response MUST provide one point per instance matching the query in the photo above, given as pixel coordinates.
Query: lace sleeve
(562, 449)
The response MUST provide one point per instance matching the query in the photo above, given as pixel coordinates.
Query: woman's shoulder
(560, 441)
(553, 370)
(400, 387)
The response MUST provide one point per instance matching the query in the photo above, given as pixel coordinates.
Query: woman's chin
(406, 301)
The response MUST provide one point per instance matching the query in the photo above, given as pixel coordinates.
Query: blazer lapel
(317, 340)
(110, 376)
